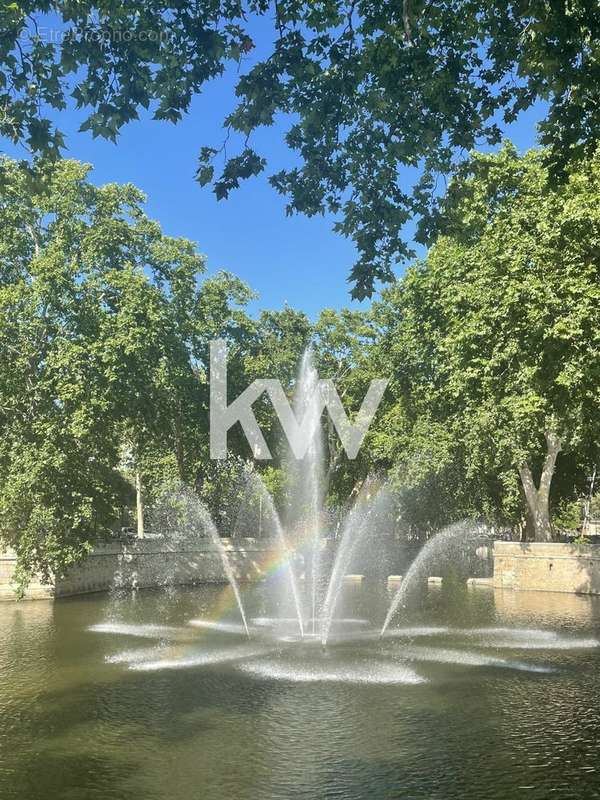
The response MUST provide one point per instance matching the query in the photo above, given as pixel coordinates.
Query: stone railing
(550, 567)
(145, 563)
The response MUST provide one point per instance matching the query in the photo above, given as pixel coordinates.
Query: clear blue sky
(292, 260)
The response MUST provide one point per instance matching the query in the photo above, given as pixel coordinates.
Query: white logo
(298, 433)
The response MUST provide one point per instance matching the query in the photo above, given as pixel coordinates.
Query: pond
(160, 695)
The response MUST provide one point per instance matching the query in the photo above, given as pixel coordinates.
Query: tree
(375, 94)
(104, 331)
(493, 340)
(273, 350)
(280, 338)
(342, 341)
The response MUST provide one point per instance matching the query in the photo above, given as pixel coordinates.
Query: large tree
(342, 340)
(379, 98)
(494, 345)
(104, 329)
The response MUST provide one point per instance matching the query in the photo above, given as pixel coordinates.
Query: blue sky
(292, 260)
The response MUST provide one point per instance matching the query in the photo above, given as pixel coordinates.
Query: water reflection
(77, 721)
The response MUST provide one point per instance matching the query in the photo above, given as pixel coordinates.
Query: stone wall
(145, 563)
(550, 567)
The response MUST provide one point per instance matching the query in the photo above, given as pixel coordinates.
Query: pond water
(477, 694)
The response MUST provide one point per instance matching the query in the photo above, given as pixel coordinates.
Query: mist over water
(317, 662)
(304, 513)
(310, 573)
(173, 701)
(440, 548)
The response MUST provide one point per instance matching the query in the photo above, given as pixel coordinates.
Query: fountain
(305, 499)
(443, 545)
(303, 593)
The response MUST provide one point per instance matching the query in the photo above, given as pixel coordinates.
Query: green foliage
(380, 98)
(104, 330)
(221, 487)
(581, 540)
(342, 342)
(595, 507)
(489, 344)
(273, 349)
(493, 341)
(280, 337)
(568, 516)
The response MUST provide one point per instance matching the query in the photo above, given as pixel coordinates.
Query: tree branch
(554, 444)
(406, 23)
(528, 484)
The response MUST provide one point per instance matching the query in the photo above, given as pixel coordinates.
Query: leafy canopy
(379, 98)
(493, 341)
(104, 331)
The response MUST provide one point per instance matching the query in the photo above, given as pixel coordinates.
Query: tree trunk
(538, 498)
(139, 502)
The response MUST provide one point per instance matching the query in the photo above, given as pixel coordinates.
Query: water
(288, 590)
(302, 686)
(310, 569)
(181, 519)
(309, 566)
(211, 529)
(360, 530)
(306, 487)
(313, 567)
(472, 695)
(441, 547)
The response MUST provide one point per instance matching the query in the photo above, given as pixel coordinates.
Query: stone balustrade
(146, 563)
(550, 567)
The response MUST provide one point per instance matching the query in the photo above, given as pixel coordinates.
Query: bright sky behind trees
(285, 260)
